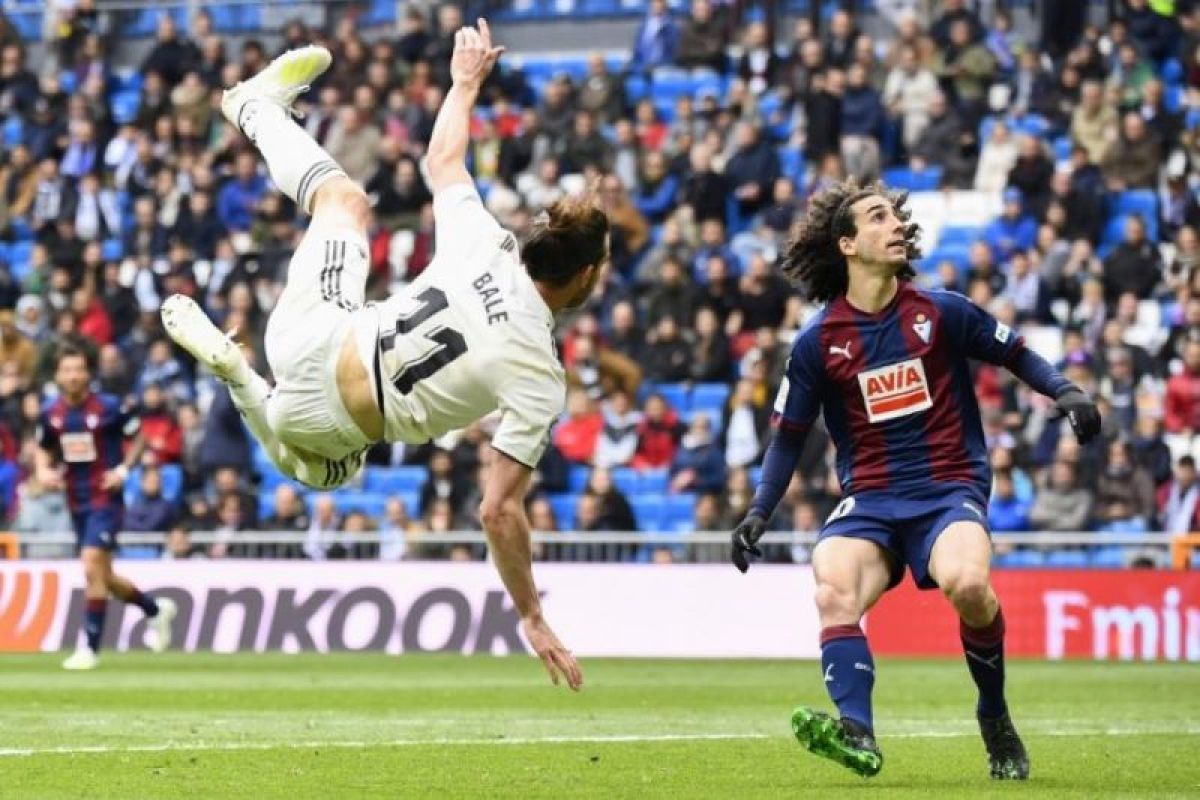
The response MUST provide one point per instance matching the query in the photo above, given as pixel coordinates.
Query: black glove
(745, 540)
(1081, 412)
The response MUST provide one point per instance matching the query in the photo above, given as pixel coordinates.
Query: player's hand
(1081, 412)
(745, 540)
(558, 659)
(114, 480)
(473, 56)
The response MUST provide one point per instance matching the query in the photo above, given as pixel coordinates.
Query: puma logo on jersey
(896, 390)
(841, 351)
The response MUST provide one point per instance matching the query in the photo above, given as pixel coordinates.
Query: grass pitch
(356, 725)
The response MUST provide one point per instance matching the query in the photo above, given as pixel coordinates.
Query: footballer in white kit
(472, 334)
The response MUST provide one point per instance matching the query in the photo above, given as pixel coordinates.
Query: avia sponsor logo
(28, 602)
(1076, 624)
(895, 391)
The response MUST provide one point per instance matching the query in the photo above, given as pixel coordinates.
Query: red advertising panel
(1119, 614)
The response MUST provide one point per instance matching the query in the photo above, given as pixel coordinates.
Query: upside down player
(86, 431)
(472, 334)
(887, 363)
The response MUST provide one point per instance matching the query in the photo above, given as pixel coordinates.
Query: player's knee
(837, 603)
(344, 198)
(967, 588)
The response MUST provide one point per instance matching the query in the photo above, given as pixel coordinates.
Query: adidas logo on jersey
(896, 390)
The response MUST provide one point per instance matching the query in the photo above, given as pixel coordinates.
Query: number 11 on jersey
(449, 344)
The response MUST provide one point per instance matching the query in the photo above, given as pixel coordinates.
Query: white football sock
(297, 164)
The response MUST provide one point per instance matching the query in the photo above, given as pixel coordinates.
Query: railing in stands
(1029, 549)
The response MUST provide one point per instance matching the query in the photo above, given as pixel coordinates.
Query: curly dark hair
(812, 259)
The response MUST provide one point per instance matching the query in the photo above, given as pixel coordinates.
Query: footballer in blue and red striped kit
(81, 451)
(887, 364)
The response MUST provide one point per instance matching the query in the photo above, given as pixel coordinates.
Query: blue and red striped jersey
(895, 388)
(89, 439)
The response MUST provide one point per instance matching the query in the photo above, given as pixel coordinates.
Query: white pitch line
(10, 752)
(354, 745)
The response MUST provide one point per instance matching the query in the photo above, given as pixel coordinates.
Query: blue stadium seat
(368, 503)
(958, 254)
(670, 82)
(172, 484)
(564, 509)
(1066, 558)
(394, 480)
(680, 512)
(677, 395)
(1109, 557)
(68, 81)
(141, 552)
(112, 250)
(959, 235)
(653, 481)
(1135, 201)
(627, 480)
(127, 80)
(710, 397)
(1171, 71)
(125, 106)
(577, 478)
(925, 180)
(13, 130)
(380, 12)
(19, 256)
(1173, 98)
(1021, 558)
(28, 25)
(792, 164)
(21, 230)
(636, 88)
(1062, 148)
(140, 23)
(648, 510)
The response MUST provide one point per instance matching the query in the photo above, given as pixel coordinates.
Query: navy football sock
(849, 671)
(984, 649)
(143, 601)
(93, 621)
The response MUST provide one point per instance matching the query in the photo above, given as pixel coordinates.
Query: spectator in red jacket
(576, 435)
(160, 429)
(1182, 405)
(658, 435)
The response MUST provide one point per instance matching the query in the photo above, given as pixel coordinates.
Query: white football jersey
(468, 336)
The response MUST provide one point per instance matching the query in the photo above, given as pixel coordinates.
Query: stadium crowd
(121, 188)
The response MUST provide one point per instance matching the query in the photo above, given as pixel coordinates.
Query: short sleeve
(983, 337)
(799, 401)
(531, 400)
(460, 218)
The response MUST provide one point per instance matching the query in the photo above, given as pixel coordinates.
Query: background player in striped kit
(887, 364)
(81, 437)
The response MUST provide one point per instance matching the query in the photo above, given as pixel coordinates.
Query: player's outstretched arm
(507, 528)
(779, 465)
(472, 61)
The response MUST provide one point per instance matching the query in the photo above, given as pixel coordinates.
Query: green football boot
(844, 741)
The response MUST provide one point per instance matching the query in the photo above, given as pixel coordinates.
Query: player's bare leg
(960, 562)
(97, 567)
(851, 575)
(161, 611)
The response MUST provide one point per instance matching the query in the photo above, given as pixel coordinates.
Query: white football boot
(82, 659)
(161, 624)
(283, 80)
(192, 330)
